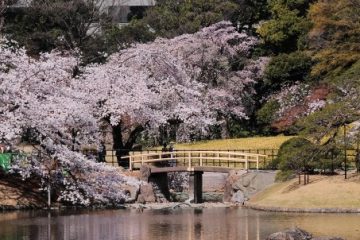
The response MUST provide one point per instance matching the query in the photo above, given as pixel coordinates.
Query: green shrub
(299, 154)
(287, 69)
(296, 154)
(267, 114)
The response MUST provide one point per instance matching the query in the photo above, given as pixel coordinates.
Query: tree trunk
(118, 145)
(123, 149)
(357, 161)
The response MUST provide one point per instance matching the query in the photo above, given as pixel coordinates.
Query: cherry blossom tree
(76, 180)
(36, 95)
(187, 79)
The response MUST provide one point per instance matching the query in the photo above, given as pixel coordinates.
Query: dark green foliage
(296, 154)
(286, 29)
(331, 158)
(62, 24)
(323, 126)
(349, 76)
(239, 128)
(136, 12)
(214, 132)
(27, 27)
(237, 62)
(249, 13)
(136, 31)
(172, 18)
(266, 115)
(326, 128)
(349, 83)
(287, 69)
(335, 35)
(299, 154)
(301, 6)
(284, 36)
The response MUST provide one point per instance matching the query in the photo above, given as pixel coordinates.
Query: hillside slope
(252, 143)
(322, 192)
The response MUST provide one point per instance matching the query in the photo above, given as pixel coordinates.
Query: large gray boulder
(240, 186)
(145, 173)
(212, 196)
(238, 197)
(132, 191)
(290, 234)
(179, 196)
(232, 178)
(146, 194)
(297, 234)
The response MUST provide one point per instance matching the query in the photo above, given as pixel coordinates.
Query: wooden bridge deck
(191, 161)
(186, 169)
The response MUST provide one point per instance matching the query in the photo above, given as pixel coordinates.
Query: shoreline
(136, 206)
(300, 210)
(183, 205)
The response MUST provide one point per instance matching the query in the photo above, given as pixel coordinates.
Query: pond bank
(178, 205)
(16, 195)
(301, 210)
(324, 194)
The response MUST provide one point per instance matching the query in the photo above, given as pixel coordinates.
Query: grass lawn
(252, 143)
(322, 192)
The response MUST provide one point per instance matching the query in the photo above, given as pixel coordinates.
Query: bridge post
(198, 187)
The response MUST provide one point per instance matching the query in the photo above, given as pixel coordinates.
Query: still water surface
(187, 224)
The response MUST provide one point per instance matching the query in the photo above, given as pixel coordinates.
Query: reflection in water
(217, 223)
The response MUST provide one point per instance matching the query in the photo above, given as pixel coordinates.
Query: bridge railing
(191, 159)
(111, 155)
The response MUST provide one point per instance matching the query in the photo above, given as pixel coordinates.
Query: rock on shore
(297, 234)
(241, 185)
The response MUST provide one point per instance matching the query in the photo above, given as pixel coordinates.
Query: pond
(209, 223)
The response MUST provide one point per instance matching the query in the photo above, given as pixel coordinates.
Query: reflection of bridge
(196, 162)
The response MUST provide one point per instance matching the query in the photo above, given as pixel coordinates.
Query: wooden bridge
(190, 161)
(195, 162)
